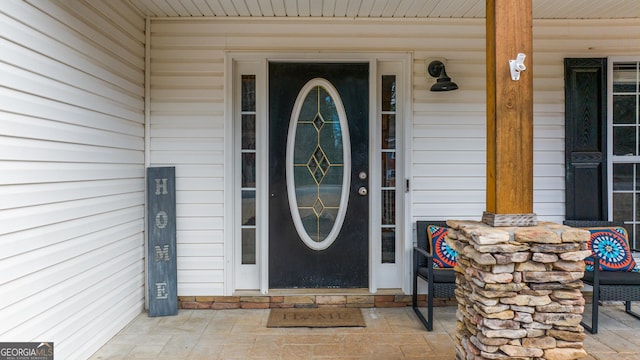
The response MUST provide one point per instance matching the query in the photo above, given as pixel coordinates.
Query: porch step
(290, 298)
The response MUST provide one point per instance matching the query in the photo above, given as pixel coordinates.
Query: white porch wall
(71, 172)
(448, 129)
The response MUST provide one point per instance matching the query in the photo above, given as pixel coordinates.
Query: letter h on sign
(161, 231)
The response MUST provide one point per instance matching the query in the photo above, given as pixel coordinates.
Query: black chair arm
(422, 252)
(429, 265)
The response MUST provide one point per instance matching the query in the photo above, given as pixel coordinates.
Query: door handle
(362, 191)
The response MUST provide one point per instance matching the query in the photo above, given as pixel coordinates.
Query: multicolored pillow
(443, 255)
(611, 245)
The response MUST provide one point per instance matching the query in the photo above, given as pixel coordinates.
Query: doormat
(315, 317)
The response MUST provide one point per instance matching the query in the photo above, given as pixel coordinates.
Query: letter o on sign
(161, 220)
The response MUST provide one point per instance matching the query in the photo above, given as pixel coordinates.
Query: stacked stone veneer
(519, 291)
(302, 301)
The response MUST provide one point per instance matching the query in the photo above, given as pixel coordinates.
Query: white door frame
(255, 277)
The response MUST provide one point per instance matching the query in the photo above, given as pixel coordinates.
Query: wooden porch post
(509, 115)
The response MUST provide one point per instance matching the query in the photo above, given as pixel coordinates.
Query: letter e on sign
(161, 291)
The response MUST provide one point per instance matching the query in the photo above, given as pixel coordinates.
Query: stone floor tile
(416, 350)
(310, 339)
(357, 346)
(296, 351)
(607, 356)
(270, 339)
(430, 356)
(393, 333)
(615, 341)
(440, 343)
(383, 352)
(630, 335)
(396, 339)
(113, 351)
(202, 352)
(145, 351)
(235, 351)
(328, 351)
(174, 353)
(265, 349)
(597, 344)
(631, 356)
(150, 338)
(230, 339)
(183, 340)
(217, 329)
(129, 338)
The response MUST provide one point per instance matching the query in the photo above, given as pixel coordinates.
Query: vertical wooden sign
(161, 254)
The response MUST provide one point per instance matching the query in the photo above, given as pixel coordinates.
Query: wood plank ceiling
(542, 9)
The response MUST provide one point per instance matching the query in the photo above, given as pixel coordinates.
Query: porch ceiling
(542, 9)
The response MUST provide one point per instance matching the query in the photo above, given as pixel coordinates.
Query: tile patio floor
(391, 333)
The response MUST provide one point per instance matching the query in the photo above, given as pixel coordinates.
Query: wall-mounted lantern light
(443, 81)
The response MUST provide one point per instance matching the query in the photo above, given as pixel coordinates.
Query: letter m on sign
(162, 254)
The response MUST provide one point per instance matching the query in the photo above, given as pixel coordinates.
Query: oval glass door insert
(318, 164)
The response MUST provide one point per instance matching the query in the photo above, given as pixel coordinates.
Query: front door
(318, 175)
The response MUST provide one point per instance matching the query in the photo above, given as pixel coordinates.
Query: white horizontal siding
(448, 129)
(187, 131)
(72, 164)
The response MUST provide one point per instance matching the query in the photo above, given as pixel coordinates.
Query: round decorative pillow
(443, 255)
(611, 246)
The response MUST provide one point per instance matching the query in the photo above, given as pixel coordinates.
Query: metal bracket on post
(517, 66)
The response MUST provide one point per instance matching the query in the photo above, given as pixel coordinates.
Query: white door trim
(258, 62)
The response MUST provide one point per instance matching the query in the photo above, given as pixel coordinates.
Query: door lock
(362, 191)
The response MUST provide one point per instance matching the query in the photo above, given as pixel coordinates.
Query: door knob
(362, 191)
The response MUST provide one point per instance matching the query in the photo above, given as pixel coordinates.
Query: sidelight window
(248, 155)
(388, 165)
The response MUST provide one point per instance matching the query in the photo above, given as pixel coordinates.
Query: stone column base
(519, 291)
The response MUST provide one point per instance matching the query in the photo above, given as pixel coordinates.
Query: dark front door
(318, 175)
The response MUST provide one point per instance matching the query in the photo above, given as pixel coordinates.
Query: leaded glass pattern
(318, 163)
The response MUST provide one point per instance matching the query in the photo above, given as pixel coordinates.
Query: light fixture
(443, 82)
